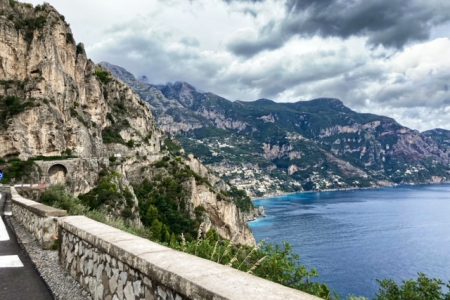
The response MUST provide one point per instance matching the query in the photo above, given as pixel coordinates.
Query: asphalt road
(18, 278)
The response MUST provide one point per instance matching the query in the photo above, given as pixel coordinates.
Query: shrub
(272, 262)
(70, 39)
(172, 146)
(110, 136)
(29, 26)
(107, 192)
(240, 198)
(421, 288)
(130, 144)
(57, 196)
(103, 76)
(19, 171)
(80, 49)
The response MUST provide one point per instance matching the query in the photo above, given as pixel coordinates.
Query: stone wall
(39, 219)
(113, 264)
(106, 277)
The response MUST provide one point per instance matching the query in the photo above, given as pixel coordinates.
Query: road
(18, 278)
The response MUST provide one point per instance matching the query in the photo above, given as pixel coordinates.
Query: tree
(420, 289)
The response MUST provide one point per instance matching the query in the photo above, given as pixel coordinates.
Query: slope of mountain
(441, 137)
(267, 147)
(55, 102)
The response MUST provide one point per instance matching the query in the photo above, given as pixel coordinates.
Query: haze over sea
(356, 237)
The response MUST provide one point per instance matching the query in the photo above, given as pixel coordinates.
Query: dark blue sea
(355, 237)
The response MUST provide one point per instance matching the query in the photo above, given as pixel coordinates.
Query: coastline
(375, 187)
(262, 214)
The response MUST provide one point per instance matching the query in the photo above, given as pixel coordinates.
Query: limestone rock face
(57, 102)
(222, 215)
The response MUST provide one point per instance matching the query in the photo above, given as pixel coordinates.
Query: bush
(107, 192)
(70, 39)
(80, 49)
(19, 171)
(272, 262)
(57, 196)
(29, 26)
(172, 146)
(103, 76)
(111, 136)
(165, 198)
(240, 198)
(419, 289)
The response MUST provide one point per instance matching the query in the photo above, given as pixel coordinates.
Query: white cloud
(190, 41)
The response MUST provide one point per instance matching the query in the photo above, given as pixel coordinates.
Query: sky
(389, 57)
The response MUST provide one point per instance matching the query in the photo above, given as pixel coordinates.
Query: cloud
(212, 44)
(390, 23)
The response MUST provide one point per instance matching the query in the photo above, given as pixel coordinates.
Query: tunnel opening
(57, 174)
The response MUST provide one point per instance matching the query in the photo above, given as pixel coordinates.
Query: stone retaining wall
(41, 220)
(112, 264)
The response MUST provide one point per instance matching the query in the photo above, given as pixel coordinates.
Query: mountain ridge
(271, 147)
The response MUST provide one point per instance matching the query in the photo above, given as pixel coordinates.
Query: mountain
(56, 104)
(269, 147)
(441, 137)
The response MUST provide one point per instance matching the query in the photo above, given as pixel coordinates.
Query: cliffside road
(18, 278)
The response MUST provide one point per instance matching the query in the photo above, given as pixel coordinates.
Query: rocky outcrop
(57, 102)
(222, 215)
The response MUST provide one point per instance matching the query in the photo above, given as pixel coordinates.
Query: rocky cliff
(55, 102)
(268, 147)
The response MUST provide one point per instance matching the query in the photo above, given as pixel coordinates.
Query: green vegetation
(272, 262)
(80, 49)
(109, 194)
(57, 196)
(110, 136)
(11, 106)
(419, 289)
(172, 146)
(163, 202)
(277, 263)
(67, 154)
(103, 76)
(240, 198)
(70, 39)
(29, 26)
(17, 170)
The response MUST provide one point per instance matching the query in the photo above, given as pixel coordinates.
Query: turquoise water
(356, 237)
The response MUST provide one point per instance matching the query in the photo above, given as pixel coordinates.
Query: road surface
(18, 278)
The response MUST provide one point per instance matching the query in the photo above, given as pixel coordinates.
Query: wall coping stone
(37, 208)
(191, 276)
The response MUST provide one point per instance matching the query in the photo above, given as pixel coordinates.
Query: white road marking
(10, 261)
(3, 233)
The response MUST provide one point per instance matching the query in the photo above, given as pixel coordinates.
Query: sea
(355, 237)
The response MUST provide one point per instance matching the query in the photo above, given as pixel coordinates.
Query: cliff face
(66, 105)
(57, 102)
(269, 147)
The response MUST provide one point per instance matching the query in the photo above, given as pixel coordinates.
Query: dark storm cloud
(391, 23)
